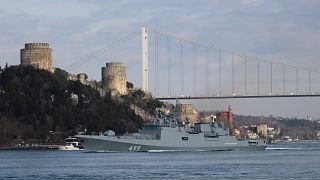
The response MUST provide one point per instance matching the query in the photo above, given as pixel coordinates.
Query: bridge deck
(237, 97)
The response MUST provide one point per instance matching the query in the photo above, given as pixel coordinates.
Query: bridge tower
(144, 42)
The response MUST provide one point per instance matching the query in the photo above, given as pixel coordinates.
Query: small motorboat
(71, 143)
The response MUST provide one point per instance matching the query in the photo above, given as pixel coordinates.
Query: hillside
(36, 104)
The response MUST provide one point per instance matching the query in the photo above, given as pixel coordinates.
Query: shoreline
(33, 147)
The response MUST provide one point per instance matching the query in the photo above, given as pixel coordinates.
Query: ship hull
(118, 144)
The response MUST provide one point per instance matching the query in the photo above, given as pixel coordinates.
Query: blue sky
(286, 30)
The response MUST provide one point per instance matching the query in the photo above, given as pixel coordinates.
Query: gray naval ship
(168, 133)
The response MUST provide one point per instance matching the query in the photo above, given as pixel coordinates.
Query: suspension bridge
(177, 68)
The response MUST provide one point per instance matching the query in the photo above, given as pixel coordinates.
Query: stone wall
(82, 78)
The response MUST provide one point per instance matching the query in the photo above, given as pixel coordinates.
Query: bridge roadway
(236, 97)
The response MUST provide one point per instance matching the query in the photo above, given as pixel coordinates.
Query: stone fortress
(37, 55)
(114, 77)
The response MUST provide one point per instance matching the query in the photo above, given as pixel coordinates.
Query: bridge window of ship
(184, 138)
(211, 135)
(252, 143)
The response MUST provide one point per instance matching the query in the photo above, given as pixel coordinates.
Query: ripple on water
(269, 164)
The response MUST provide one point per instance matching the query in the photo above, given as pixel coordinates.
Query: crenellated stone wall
(38, 55)
(82, 78)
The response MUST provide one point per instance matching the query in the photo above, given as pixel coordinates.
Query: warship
(167, 132)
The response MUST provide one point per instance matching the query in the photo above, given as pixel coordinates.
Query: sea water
(282, 161)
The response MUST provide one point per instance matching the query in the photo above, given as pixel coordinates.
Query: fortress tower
(37, 55)
(114, 77)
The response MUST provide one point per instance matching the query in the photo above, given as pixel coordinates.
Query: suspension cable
(169, 65)
(226, 51)
(101, 51)
(181, 68)
(194, 70)
(207, 81)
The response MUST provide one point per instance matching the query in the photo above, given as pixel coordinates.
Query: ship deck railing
(147, 137)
